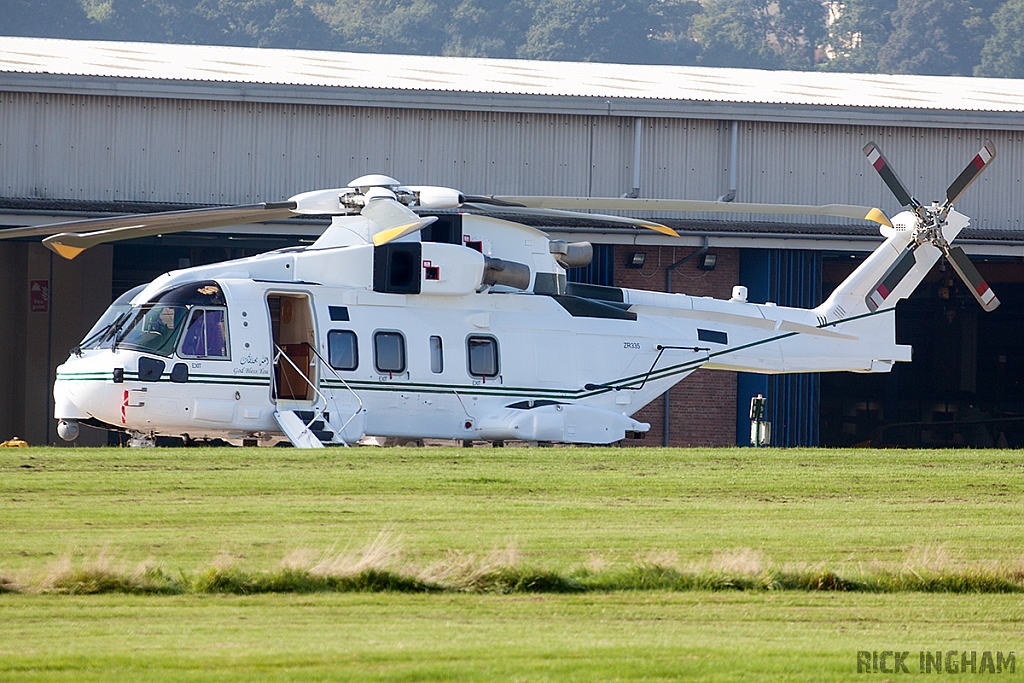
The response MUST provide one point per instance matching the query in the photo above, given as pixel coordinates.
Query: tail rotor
(928, 228)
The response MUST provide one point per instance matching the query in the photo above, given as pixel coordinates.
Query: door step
(317, 435)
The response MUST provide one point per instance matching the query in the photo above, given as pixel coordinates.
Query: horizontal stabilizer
(788, 326)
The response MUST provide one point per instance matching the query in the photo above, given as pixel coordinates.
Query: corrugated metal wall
(111, 148)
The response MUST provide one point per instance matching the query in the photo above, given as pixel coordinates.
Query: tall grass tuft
(969, 580)
(381, 554)
(286, 580)
(379, 567)
(823, 580)
(500, 571)
(375, 568)
(518, 579)
(103, 576)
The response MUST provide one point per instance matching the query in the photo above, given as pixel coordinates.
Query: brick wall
(703, 406)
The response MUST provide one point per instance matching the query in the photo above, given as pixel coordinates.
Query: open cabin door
(292, 328)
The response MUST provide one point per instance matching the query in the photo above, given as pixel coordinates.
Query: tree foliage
(43, 18)
(734, 33)
(263, 23)
(588, 30)
(857, 34)
(1003, 53)
(257, 23)
(936, 37)
(487, 28)
(766, 34)
(954, 37)
(397, 26)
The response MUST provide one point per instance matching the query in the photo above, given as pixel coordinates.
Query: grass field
(584, 514)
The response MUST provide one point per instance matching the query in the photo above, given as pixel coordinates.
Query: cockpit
(189, 320)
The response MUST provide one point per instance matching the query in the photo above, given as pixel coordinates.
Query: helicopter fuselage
(408, 340)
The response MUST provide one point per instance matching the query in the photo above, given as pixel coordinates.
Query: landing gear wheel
(141, 440)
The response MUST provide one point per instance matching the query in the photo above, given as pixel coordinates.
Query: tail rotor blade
(892, 278)
(978, 164)
(889, 177)
(972, 278)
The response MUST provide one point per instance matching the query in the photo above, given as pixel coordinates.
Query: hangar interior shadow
(965, 386)
(140, 260)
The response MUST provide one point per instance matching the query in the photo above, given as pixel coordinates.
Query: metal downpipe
(638, 128)
(733, 161)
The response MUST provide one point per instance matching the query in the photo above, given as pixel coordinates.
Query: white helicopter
(458, 326)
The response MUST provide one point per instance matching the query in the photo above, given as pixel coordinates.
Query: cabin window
(154, 328)
(483, 356)
(342, 349)
(436, 355)
(206, 335)
(389, 351)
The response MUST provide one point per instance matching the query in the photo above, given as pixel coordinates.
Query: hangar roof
(301, 76)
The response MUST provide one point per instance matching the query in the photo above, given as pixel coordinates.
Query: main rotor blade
(397, 220)
(507, 207)
(889, 176)
(972, 278)
(891, 279)
(978, 164)
(486, 199)
(694, 205)
(67, 241)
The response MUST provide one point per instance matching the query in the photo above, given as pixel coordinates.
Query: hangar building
(94, 128)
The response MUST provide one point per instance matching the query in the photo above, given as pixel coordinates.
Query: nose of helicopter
(85, 388)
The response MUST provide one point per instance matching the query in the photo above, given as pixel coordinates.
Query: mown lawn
(630, 636)
(557, 507)
(563, 510)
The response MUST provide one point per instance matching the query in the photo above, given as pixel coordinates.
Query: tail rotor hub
(930, 222)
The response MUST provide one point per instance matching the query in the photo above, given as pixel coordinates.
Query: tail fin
(891, 273)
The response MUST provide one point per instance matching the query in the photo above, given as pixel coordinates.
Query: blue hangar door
(788, 278)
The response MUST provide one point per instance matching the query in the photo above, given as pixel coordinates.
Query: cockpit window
(193, 313)
(154, 328)
(206, 335)
(103, 332)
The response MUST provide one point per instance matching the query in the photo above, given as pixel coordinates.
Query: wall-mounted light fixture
(636, 259)
(708, 261)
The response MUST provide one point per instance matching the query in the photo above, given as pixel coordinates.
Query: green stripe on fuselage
(628, 382)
